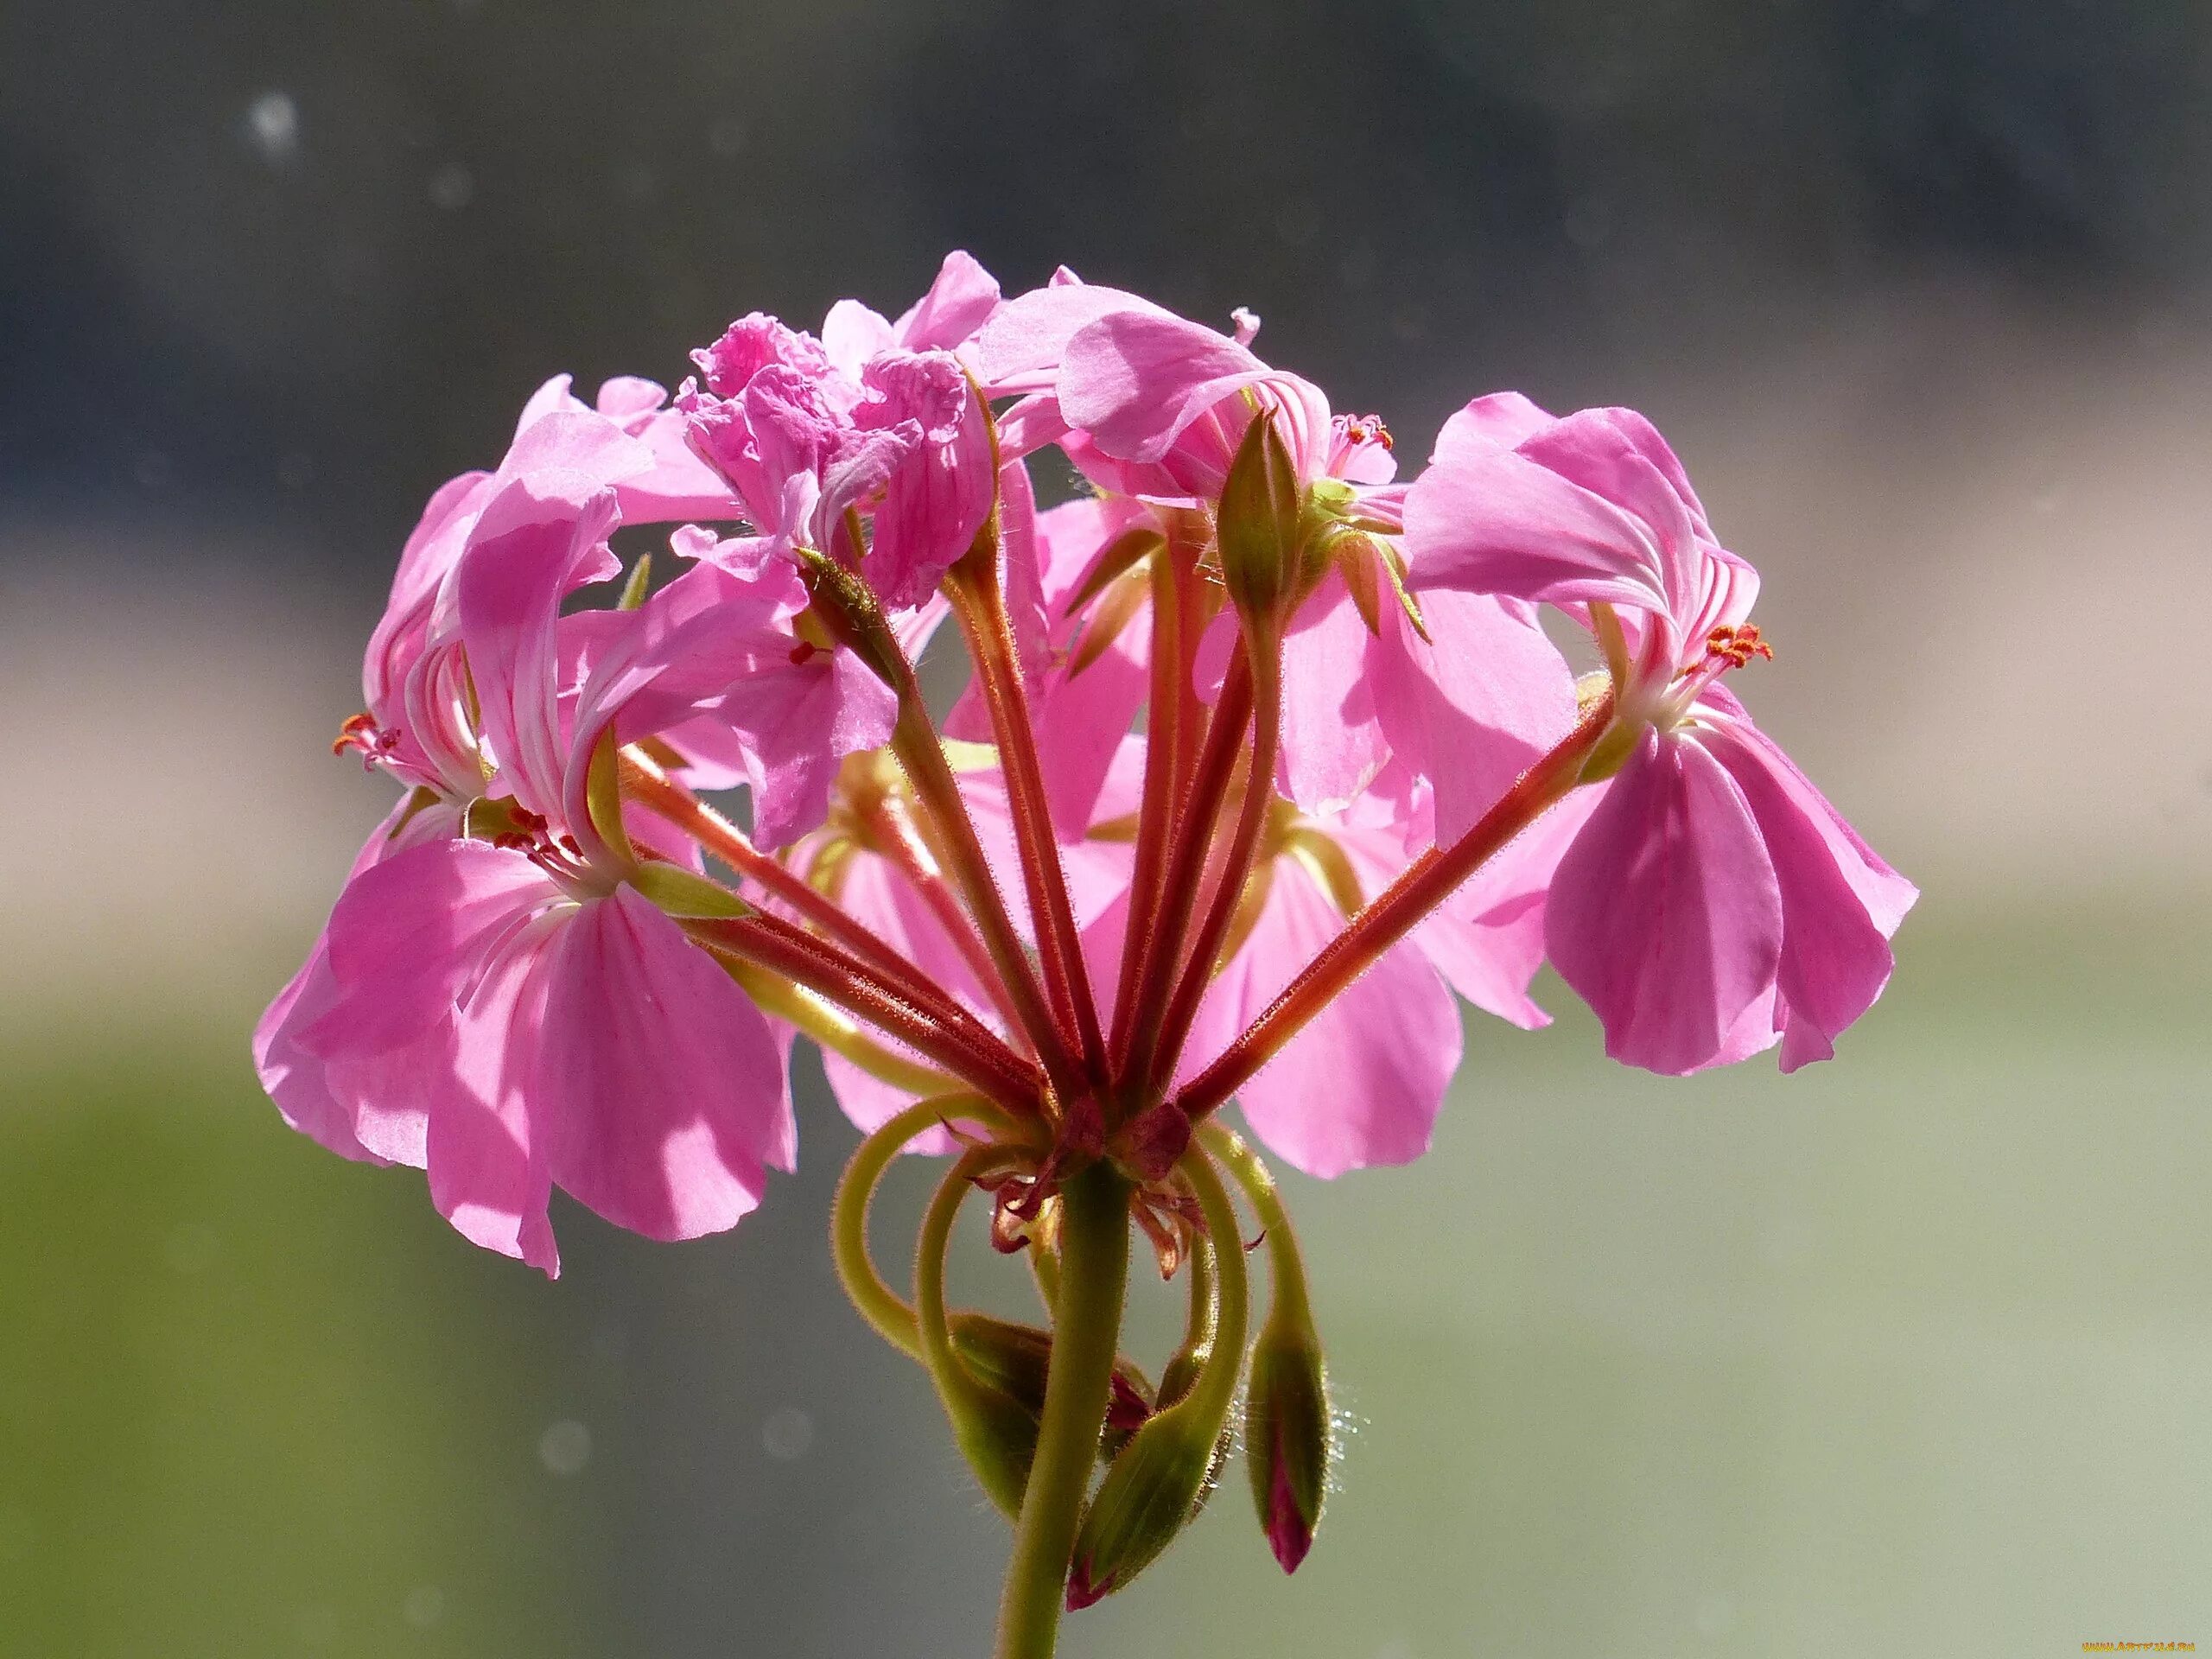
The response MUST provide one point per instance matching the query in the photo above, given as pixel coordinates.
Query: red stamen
(1736, 647)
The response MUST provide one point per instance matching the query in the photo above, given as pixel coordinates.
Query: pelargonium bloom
(889, 426)
(1714, 903)
(547, 1023)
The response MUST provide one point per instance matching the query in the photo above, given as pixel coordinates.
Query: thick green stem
(880, 1305)
(1094, 1277)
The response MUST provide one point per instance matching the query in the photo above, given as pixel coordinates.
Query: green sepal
(603, 795)
(488, 818)
(1258, 523)
(1123, 554)
(633, 590)
(682, 892)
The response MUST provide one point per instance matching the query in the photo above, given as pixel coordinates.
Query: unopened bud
(848, 609)
(1016, 1358)
(998, 1436)
(1154, 1490)
(1258, 523)
(1287, 1439)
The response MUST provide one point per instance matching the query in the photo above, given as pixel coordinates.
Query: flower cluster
(1264, 761)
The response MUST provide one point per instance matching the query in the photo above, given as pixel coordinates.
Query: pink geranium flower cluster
(1264, 763)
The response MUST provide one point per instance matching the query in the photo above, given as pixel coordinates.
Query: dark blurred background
(1911, 1353)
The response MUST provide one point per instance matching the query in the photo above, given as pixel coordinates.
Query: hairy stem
(964, 1048)
(1426, 883)
(980, 604)
(648, 784)
(880, 1305)
(1251, 817)
(1165, 735)
(1258, 1186)
(1094, 1278)
(1193, 836)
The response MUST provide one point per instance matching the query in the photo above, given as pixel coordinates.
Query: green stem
(1094, 1277)
(1258, 1186)
(1216, 1385)
(880, 1305)
(960, 1392)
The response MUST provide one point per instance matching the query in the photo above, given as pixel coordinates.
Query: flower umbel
(1264, 764)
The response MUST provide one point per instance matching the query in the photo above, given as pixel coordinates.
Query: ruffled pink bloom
(1714, 903)
(880, 418)
(513, 1015)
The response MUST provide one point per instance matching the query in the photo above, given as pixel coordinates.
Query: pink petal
(1486, 519)
(538, 538)
(959, 302)
(1022, 347)
(1331, 745)
(936, 497)
(410, 935)
(1135, 379)
(1474, 709)
(1665, 915)
(1840, 903)
(485, 1154)
(659, 1089)
(1362, 1085)
(853, 333)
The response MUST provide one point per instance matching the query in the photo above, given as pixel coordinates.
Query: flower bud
(1154, 1490)
(998, 1436)
(1258, 524)
(1287, 1439)
(1014, 1358)
(848, 609)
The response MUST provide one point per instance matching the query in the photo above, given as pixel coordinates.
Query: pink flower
(879, 419)
(514, 1015)
(1713, 902)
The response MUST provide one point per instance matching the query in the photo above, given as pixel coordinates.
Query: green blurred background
(1911, 1353)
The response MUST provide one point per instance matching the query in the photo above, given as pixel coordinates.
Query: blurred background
(1909, 1354)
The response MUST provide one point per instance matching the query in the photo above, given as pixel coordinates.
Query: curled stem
(880, 1305)
(1255, 1180)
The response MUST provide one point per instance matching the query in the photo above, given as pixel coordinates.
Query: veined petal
(1487, 519)
(659, 1089)
(959, 302)
(1840, 903)
(1135, 379)
(1332, 746)
(1022, 347)
(485, 1156)
(1665, 915)
(1474, 705)
(410, 935)
(539, 537)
